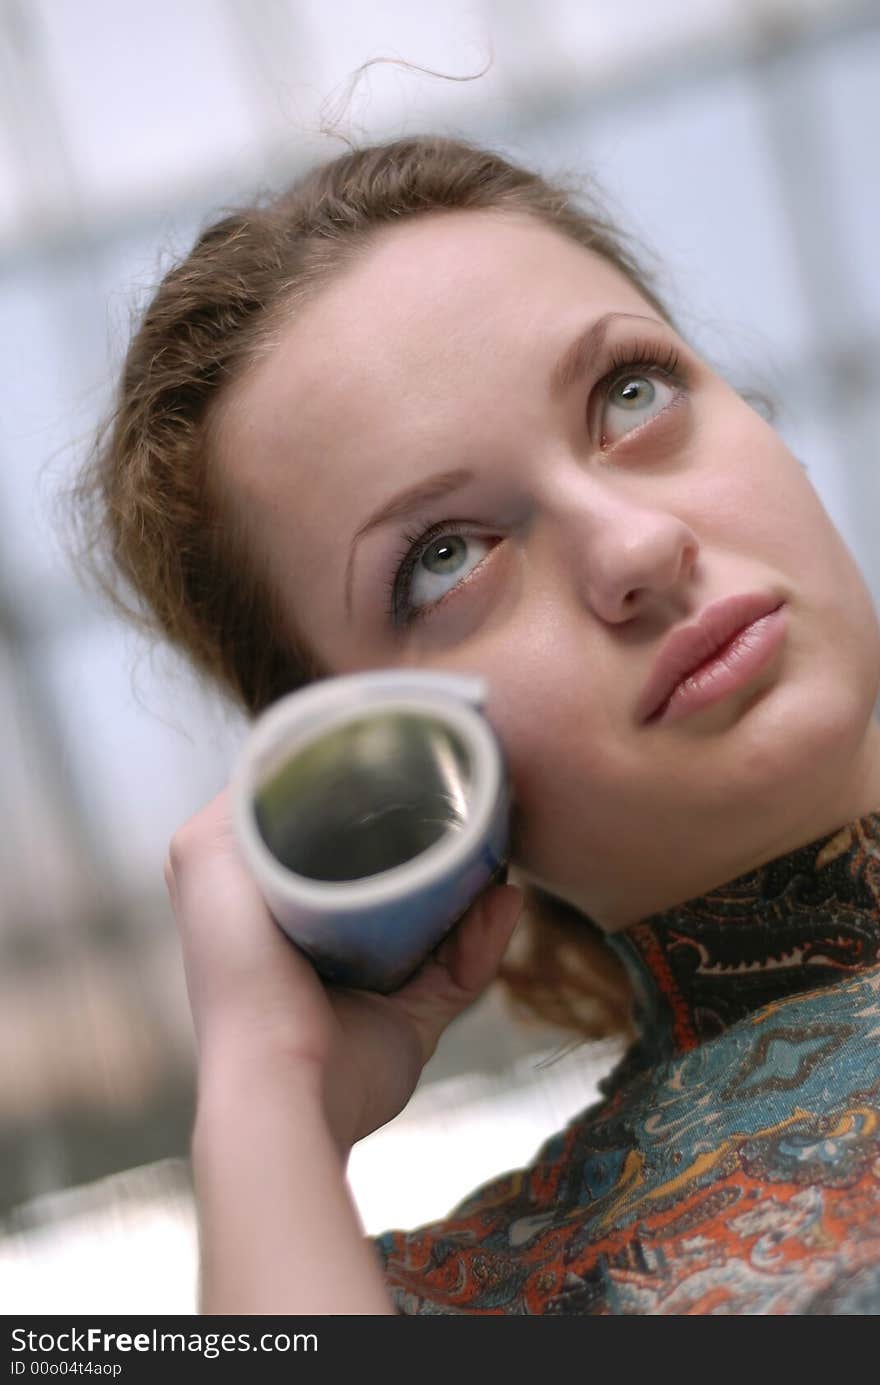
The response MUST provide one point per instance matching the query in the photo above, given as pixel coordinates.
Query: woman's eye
(441, 566)
(630, 401)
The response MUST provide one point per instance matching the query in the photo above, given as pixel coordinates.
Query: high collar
(802, 921)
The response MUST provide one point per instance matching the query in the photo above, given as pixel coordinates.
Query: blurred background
(736, 138)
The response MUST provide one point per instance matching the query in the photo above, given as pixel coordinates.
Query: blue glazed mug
(372, 809)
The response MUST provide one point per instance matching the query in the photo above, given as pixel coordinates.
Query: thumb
(462, 967)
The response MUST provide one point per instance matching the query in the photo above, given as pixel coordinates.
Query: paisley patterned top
(733, 1165)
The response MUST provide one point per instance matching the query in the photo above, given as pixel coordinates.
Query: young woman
(424, 411)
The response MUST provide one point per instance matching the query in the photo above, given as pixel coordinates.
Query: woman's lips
(734, 665)
(688, 647)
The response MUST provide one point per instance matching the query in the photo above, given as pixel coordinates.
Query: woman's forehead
(442, 302)
(451, 266)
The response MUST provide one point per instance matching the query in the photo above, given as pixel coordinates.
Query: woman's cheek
(552, 742)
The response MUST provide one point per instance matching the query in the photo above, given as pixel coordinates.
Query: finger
(240, 968)
(472, 952)
(462, 967)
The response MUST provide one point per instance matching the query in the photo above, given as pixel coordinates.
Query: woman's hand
(256, 998)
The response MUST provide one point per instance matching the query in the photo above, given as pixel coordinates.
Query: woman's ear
(761, 402)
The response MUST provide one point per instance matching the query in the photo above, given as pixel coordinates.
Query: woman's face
(575, 517)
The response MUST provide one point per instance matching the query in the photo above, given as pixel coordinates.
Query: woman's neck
(722, 851)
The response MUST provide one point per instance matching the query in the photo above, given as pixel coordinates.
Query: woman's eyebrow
(401, 504)
(576, 359)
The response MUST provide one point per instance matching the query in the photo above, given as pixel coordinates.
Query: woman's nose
(632, 556)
